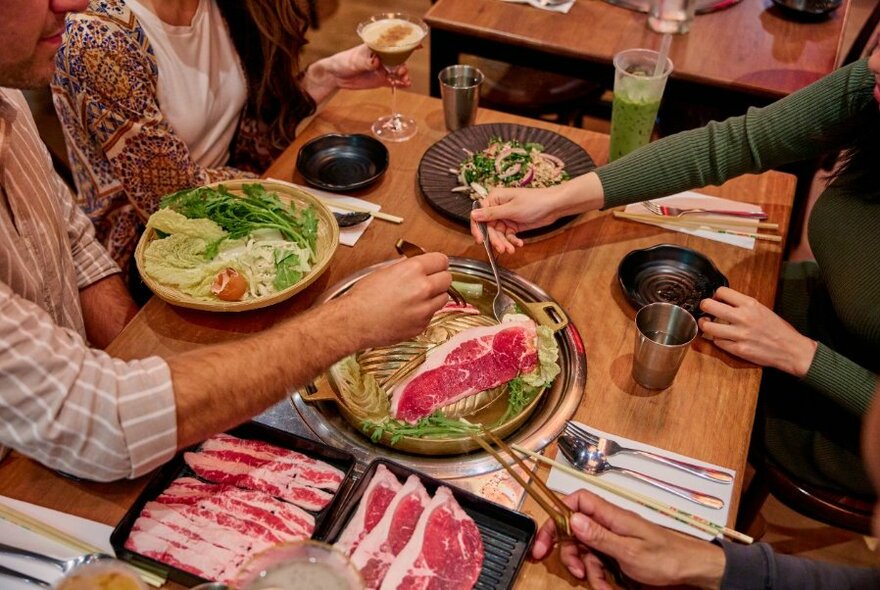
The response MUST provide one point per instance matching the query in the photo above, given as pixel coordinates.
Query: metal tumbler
(663, 334)
(460, 90)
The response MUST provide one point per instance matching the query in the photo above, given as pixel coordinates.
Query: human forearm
(841, 379)
(107, 307)
(221, 386)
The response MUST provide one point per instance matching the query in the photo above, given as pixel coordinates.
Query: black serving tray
(507, 535)
(178, 468)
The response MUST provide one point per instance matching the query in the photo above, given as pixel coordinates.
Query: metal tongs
(537, 489)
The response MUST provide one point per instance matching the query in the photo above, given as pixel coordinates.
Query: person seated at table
(160, 95)
(824, 341)
(72, 406)
(657, 556)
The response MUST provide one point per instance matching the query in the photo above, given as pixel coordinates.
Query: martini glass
(393, 36)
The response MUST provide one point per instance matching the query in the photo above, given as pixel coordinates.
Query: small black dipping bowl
(808, 10)
(340, 163)
(671, 274)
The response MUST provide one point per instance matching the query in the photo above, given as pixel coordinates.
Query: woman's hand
(645, 551)
(355, 68)
(752, 331)
(507, 211)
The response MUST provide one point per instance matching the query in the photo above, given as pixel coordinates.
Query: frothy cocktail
(392, 39)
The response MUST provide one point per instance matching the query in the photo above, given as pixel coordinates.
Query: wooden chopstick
(38, 527)
(682, 516)
(544, 496)
(659, 221)
(341, 205)
(698, 220)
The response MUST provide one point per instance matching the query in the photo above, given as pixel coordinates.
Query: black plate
(339, 163)
(669, 273)
(437, 182)
(177, 468)
(506, 534)
(808, 9)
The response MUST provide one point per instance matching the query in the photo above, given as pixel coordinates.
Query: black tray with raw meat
(506, 535)
(178, 468)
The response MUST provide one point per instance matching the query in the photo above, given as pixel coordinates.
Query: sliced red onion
(530, 174)
(553, 159)
(500, 157)
(510, 171)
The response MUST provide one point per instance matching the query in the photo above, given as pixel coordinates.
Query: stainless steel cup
(460, 90)
(663, 334)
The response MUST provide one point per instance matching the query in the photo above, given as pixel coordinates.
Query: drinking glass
(393, 36)
(302, 565)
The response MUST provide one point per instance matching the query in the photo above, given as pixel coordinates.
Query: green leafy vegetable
(468, 290)
(435, 425)
(287, 269)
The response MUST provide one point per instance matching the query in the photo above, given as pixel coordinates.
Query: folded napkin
(691, 199)
(563, 8)
(348, 236)
(93, 533)
(565, 483)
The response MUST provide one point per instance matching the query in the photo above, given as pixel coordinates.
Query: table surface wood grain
(752, 47)
(706, 414)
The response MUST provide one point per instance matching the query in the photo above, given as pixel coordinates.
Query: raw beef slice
(444, 553)
(379, 548)
(378, 495)
(472, 361)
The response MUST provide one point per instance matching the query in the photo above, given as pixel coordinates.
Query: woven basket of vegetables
(236, 245)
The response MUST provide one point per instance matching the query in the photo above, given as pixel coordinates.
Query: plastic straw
(664, 51)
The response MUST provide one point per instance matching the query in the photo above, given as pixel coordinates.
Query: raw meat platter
(205, 513)
(399, 525)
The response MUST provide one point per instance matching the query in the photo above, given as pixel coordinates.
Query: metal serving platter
(703, 6)
(558, 404)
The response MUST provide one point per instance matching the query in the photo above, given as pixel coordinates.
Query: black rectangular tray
(178, 468)
(507, 535)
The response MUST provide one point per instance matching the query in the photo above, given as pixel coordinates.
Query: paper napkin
(565, 483)
(691, 199)
(91, 532)
(563, 8)
(348, 236)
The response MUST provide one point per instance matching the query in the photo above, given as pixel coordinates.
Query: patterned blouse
(124, 154)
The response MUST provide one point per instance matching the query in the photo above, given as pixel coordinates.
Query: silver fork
(609, 447)
(503, 303)
(665, 211)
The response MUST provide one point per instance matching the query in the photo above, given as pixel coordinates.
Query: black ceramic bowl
(671, 274)
(339, 163)
(808, 9)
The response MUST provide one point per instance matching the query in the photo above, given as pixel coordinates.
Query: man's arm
(107, 307)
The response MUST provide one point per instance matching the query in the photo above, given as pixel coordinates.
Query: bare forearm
(219, 387)
(580, 194)
(107, 307)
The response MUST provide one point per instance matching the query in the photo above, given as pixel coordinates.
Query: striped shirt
(71, 407)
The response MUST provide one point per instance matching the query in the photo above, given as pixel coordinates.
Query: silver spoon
(349, 219)
(590, 459)
(65, 565)
(503, 304)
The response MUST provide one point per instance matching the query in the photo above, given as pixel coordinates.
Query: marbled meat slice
(184, 549)
(228, 470)
(472, 361)
(445, 551)
(378, 549)
(305, 469)
(275, 514)
(375, 500)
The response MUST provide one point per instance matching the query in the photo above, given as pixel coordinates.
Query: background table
(706, 414)
(748, 54)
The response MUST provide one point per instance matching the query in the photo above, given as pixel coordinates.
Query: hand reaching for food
(396, 302)
(755, 333)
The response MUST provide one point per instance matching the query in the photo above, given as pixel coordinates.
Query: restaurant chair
(832, 508)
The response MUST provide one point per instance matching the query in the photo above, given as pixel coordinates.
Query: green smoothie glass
(637, 94)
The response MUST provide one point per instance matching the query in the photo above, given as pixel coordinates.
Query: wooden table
(748, 54)
(706, 414)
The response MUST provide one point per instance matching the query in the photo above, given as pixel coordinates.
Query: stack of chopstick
(722, 225)
(682, 516)
(47, 531)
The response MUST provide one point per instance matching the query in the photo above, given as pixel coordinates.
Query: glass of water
(671, 16)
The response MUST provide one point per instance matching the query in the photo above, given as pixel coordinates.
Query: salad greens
(435, 425)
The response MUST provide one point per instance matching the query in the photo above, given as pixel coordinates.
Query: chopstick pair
(537, 489)
(38, 527)
(707, 224)
(682, 516)
(345, 206)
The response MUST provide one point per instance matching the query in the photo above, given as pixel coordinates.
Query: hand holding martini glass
(393, 37)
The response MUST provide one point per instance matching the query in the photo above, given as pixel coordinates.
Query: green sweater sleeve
(786, 131)
(839, 378)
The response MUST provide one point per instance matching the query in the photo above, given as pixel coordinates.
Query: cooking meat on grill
(472, 361)
(378, 495)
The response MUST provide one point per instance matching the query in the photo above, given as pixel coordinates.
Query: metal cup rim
(692, 323)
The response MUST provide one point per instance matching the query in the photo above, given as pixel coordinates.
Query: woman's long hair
(268, 35)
